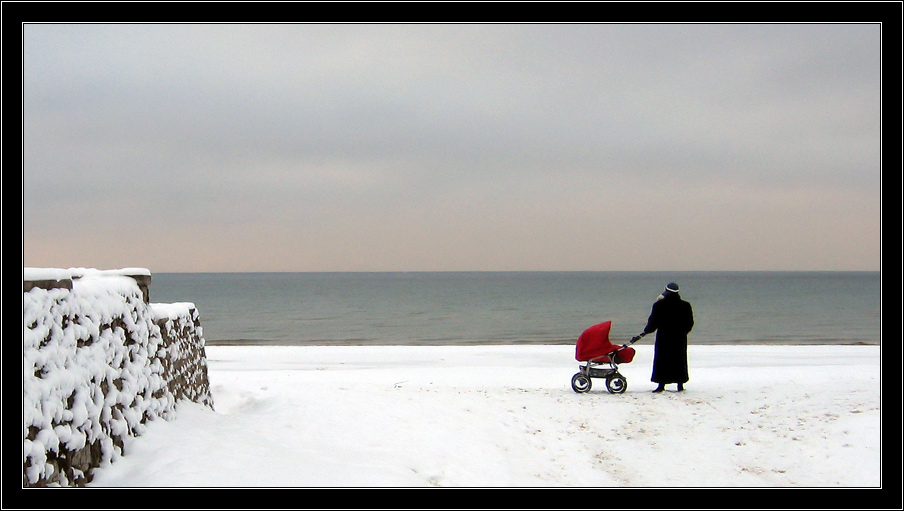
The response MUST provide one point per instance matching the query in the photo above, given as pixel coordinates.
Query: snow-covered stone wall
(99, 361)
(184, 360)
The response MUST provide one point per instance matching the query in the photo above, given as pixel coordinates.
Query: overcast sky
(452, 147)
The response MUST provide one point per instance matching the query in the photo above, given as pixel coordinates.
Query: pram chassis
(605, 366)
(615, 382)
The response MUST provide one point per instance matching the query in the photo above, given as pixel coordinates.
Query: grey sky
(452, 147)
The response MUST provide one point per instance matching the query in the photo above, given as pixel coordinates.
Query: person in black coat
(672, 319)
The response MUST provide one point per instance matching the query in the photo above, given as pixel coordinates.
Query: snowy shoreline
(267, 342)
(505, 416)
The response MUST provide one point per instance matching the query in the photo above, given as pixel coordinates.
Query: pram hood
(594, 344)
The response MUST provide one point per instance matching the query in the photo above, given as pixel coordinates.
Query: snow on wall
(98, 362)
(184, 362)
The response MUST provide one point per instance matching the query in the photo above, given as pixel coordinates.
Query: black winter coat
(671, 318)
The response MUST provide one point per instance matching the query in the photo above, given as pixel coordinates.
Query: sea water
(522, 307)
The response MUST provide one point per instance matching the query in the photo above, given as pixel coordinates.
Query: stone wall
(99, 361)
(184, 360)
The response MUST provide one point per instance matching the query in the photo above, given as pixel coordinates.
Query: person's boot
(660, 388)
(680, 387)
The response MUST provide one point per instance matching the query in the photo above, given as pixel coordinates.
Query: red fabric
(594, 344)
(626, 355)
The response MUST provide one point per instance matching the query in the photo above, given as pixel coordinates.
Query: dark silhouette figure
(671, 318)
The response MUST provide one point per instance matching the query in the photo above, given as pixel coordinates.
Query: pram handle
(634, 339)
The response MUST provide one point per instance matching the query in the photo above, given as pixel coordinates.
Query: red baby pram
(601, 359)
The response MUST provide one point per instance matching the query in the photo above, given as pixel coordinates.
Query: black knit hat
(671, 288)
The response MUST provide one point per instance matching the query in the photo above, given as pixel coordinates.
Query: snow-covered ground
(506, 416)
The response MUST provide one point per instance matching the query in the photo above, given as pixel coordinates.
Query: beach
(506, 416)
(359, 256)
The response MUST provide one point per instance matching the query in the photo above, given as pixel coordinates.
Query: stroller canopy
(594, 343)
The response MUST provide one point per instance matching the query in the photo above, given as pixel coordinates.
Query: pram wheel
(616, 384)
(580, 383)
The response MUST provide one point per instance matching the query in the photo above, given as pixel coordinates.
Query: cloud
(344, 130)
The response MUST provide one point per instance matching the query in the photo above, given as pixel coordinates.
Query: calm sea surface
(522, 307)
